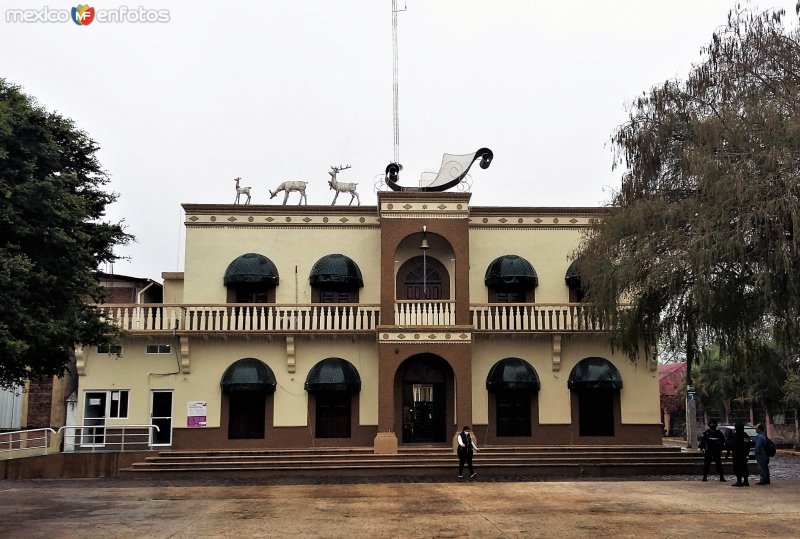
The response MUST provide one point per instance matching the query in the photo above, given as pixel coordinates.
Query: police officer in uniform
(711, 443)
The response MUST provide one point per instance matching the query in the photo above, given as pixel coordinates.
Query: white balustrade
(424, 313)
(341, 317)
(553, 317)
(242, 317)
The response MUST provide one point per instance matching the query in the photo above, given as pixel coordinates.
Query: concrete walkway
(108, 508)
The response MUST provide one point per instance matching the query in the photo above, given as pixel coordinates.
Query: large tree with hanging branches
(703, 242)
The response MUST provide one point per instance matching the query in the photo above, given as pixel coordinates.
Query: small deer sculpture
(288, 187)
(342, 187)
(241, 191)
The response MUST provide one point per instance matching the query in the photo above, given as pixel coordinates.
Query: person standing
(762, 458)
(466, 447)
(711, 443)
(741, 447)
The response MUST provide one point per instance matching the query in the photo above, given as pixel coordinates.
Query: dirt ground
(111, 508)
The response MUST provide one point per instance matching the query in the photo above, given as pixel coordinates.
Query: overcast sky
(281, 90)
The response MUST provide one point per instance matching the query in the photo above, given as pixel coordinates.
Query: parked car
(728, 430)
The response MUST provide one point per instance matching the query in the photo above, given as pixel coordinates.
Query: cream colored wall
(363, 354)
(639, 401)
(131, 371)
(209, 359)
(209, 251)
(488, 351)
(173, 291)
(547, 250)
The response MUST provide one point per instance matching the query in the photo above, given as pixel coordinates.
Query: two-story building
(308, 326)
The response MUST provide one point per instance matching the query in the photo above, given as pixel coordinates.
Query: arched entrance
(425, 386)
(247, 384)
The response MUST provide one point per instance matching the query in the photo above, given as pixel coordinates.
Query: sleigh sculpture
(453, 170)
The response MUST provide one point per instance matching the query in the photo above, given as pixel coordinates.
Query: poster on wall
(196, 414)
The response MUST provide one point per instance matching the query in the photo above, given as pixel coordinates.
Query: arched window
(423, 278)
(514, 383)
(333, 382)
(246, 383)
(335, 278)
(511, 279)
(596, 383)
(251, 278)
(573, 280)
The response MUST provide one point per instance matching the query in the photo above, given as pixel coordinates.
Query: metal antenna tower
(395, 83)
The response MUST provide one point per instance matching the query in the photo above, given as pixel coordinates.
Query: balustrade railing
(535, 317)
(243, 317)
(341, 317)
(424, 313)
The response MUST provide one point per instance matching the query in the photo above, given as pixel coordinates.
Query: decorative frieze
(278, 216)
(423, 337)
(282, 221)
(420, 209)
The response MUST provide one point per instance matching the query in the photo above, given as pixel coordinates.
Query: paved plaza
(487, 508)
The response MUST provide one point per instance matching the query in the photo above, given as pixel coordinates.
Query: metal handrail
(26, 439)
(108, 431)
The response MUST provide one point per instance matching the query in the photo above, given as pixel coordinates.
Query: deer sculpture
(342, 187)
(288, 187)
(241, 191)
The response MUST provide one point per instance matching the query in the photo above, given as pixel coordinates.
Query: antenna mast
(395, 84)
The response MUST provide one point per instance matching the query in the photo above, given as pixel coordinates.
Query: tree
(703, 237)
(791, 395)
(52, 239)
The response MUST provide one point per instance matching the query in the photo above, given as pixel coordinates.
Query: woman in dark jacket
(466, 446)
(740, 445)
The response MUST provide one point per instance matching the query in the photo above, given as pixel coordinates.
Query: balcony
(253, 318)
(424, 313)
(535, 317)
(348, 318)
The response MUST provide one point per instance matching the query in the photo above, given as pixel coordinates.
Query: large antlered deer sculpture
(342, 187)
(241, 191)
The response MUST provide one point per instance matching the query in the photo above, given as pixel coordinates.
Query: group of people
(713, 442)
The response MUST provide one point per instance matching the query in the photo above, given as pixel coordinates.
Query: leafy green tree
(791, 395)
(703, 237)
(52, 238)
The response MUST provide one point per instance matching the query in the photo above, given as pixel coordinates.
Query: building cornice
(252, 215)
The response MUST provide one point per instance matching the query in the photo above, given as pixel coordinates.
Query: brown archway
(422, 279)
(424, 396)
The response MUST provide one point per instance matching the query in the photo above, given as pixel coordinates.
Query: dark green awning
(336, 271)
(573, 276)
(511, 374)
(333, 374)
(511, 272)
(594, 373)
(251, 268)
(248, 374)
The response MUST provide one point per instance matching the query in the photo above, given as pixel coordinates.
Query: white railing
(108, 437)
(424, 313)
(26, 443)
(243, 317)
(535, 317)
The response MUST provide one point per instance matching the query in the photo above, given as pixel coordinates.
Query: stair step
(417, 461)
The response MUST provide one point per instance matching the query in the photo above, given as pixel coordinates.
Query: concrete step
(388, 459)
(433, 461)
